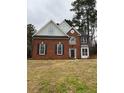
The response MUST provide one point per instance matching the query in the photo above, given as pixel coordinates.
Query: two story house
(59, 41)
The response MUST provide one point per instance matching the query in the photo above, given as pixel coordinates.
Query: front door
(72, 53)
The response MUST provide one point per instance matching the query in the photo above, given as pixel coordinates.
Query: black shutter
(37, 49)
(55, 49)
(63, 48)
(45, 49)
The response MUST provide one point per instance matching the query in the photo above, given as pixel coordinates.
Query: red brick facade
(60, 41)
(51, 50)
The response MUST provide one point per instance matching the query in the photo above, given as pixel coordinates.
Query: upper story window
(60, 48)
(42, 48)
(83, 40)
(72, 40)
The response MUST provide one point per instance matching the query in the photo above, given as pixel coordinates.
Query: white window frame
(83, 40)
(72, 42)
(61, 49)
(40, 49)
(84, 47)
(85, 52)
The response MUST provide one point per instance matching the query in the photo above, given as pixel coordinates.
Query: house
(59, 41)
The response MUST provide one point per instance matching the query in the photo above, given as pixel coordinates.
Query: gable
(50, 29)
(73, 32)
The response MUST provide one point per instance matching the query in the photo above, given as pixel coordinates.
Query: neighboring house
(59, 41)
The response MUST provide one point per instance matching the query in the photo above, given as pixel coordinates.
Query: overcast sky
(39, 12)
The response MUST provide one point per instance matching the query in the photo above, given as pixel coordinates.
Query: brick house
(59, 41)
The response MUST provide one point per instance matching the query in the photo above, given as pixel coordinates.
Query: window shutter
(45, 49)
(63, 48)
(38, 49)
(55, 49)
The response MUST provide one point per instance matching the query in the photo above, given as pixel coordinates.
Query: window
(83, 40)
(42, 49)
(60, 49)
(72, 40)
(72, 31)
(84, 52)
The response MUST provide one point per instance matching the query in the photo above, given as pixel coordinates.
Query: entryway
(84, 51)
(72, 52)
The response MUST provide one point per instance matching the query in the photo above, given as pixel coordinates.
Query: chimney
(57, 23)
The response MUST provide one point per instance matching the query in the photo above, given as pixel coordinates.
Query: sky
(39, 12)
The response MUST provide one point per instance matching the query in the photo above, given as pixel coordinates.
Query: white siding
(50, 29)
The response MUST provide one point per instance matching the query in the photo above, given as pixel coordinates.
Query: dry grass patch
(62, 76)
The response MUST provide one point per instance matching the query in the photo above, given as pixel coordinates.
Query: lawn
(62, 76)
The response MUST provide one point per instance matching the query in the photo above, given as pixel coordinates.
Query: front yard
(62, 76)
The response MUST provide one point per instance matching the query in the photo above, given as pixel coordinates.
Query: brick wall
(51, 54)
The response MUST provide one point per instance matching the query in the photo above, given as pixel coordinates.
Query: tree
(85, 19)
(30, 31)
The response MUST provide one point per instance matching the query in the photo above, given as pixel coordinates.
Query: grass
(62, 76)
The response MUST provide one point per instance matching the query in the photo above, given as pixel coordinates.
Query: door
(72, 53)
(84, 52)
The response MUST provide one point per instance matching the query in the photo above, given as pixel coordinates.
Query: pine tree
(30, 31)
(85, 18)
